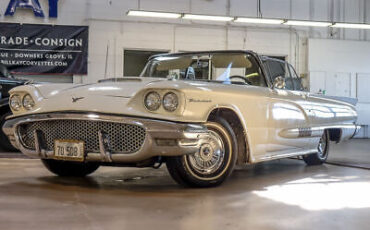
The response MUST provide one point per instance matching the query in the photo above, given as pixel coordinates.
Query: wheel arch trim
(237, 112)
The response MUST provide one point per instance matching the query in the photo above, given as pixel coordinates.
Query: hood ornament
(75, 99)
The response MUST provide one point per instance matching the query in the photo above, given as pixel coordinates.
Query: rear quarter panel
(332, 112)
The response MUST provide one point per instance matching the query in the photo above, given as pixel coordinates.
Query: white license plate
(70, 150)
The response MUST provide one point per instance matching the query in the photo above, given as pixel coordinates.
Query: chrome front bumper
(163, 138)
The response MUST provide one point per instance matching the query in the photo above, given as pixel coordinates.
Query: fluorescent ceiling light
(173, 15)
(154, 14)
(307, 23)
(351, 25)
(207, 17)
(259, 20)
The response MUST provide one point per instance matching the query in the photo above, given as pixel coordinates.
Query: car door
(289, 113)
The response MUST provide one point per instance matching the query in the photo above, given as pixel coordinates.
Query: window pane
(135, 60)
(288, 78)
(296, 80)
(277, 69)
(280, 69)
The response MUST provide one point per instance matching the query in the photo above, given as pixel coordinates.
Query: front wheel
(212, 163)
(322, 151)
(70, 169)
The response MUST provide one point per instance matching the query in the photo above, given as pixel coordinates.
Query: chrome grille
(125, 138)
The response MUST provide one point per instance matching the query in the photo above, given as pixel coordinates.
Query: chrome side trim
(347, 131)
(279, 156)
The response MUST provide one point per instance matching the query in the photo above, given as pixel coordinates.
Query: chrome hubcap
(210, 156)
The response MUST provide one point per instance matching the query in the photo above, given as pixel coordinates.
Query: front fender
(247, 156)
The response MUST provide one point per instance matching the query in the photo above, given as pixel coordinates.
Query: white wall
(109, 26)
(342, 68)
(174, 38)
(339, 55)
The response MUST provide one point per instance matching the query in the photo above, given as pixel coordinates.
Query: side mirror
(279, 82)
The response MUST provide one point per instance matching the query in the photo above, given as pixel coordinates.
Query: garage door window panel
(134, 61)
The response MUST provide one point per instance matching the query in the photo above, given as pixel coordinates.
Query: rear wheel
(212, 163)
(322, 151)
(70, 169)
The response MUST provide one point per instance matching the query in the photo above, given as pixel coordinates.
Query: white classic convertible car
(201, 113)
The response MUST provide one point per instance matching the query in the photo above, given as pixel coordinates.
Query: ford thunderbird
(201, 113)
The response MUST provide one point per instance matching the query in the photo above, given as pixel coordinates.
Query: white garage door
(338, 84)
(334, 84)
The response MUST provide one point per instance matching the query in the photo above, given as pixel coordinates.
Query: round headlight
(15, 102)
(152, 101)
(170, 102)
(28, 102)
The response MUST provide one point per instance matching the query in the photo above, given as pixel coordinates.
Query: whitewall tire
(212, 164)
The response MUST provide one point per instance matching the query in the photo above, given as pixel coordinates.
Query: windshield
(224, 67)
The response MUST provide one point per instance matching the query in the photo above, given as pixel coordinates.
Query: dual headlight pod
(153, 101)
(17, 102)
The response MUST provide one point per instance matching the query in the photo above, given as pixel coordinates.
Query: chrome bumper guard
(163, 138)
(358, 128)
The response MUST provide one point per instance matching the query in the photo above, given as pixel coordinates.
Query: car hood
(123, 96)
(126, 88)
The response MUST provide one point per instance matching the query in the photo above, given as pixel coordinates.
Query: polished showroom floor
(283, 194)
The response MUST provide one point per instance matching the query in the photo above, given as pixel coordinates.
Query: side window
(280, 69)
(288, 78)
(296, 80)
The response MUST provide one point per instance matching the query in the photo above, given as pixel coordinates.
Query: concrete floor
(282, 194)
